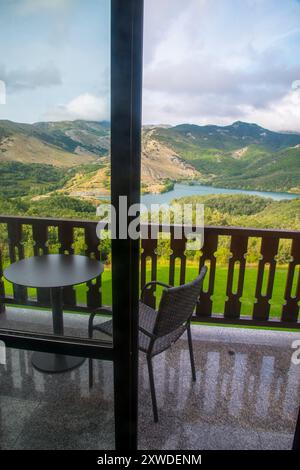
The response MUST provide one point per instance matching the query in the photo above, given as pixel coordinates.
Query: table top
(53, 271)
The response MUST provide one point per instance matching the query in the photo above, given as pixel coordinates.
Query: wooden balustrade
(265, 271)
(16, 232)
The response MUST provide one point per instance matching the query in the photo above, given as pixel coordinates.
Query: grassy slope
(93, 136)
(260, 168)
(18, 179)
(29, 144)
(248, 211)
(30, 150)
(26, 180)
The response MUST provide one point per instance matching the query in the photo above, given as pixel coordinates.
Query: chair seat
(147, 318)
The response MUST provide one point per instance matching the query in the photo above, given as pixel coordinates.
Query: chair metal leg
(91, 373)
(152, 389)
(191, 352)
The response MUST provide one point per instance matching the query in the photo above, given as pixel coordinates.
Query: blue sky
(205, 61)
(54, 59)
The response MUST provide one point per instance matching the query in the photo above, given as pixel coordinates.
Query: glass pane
(54, 170)
(55, 411)
(54, 154)
(221, 127)
(221, 103)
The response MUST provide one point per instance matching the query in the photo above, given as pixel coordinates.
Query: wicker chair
(159, 329)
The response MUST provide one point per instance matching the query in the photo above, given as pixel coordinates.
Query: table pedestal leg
(51, 362)
(57, 310)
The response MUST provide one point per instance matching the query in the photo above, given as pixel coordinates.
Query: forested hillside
(242, 155)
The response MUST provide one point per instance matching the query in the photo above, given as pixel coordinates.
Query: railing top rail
(55, 221)
(230, 230)
(254, 232)
(219, 230)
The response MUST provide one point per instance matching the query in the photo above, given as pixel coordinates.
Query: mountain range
(240, 155)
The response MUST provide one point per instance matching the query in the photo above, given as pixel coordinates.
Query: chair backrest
(177, 305)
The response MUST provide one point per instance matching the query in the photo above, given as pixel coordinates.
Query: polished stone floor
(246, 395)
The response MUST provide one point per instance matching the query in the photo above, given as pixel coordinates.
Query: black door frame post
(126, 111)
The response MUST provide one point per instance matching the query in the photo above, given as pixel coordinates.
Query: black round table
(54, 272)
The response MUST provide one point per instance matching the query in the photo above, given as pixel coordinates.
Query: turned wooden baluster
(149, 250)
(40, 238)
(16, 253)
(204, 307)
(269, 249)
(94, 294)
(178, 247)
(238, 248)
(290, 309)
(66, 240)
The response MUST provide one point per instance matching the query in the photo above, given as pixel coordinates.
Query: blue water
(183, 190)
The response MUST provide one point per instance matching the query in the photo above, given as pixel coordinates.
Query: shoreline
(176, 186)
(182, 190)
(237, 188)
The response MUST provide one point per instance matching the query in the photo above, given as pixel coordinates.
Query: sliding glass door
(70, 118)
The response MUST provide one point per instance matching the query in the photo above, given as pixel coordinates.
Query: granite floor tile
(246, 395)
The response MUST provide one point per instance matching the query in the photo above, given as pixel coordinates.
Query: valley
(61, 164)
(62, 170)
(241, 155)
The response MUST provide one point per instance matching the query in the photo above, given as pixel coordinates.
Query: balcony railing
(25, 236)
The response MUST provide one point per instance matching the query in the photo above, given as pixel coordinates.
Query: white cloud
(281, 115)
(222, 60)
(20, 79)
(2, 92)
(85, 106)
(296, 85)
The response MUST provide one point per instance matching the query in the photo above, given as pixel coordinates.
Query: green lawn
(191, 272)
(220, 287)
